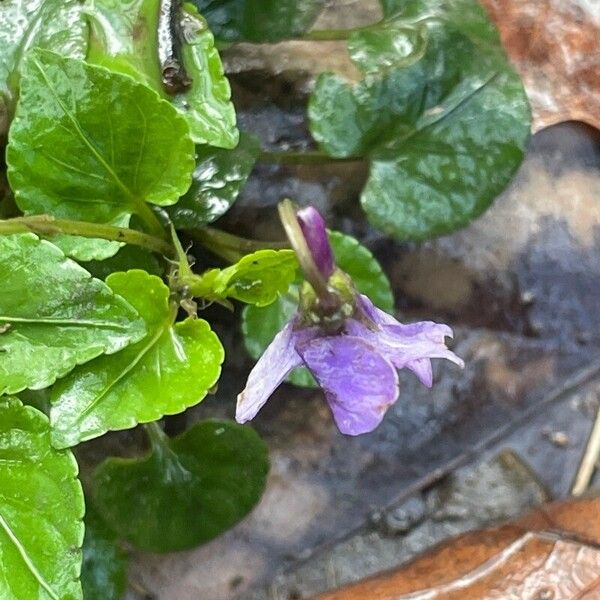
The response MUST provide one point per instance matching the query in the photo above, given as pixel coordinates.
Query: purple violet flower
(352, 348)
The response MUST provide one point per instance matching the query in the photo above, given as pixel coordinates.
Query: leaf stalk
(228, 246)
(47, 225)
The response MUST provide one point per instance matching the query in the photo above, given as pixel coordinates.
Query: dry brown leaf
(555, 45)
(551, 554)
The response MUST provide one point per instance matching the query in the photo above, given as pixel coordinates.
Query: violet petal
(407, 346)
(313, 227)
(359, 384)
(422, 369)
(278, 360)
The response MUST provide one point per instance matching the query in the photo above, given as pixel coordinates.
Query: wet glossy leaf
(188, 490)
(169, 370)
(216, 182)
(207, 103)
(387, 45)
(91, 145)
(260, 325)
(52, 24)
(53, 315)
(123, 38)
(41, 510)
(259, 20)
(258, 278)
(444, 132)
(104, 568)
(466, 15)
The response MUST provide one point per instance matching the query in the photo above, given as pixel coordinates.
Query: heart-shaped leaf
(52, 24)
(92, 145)
(259, 20)
(188, 490)
(169, 370)
(53, 315)
(443, 118)
(258, 278)
(41, 510)
(104, 568)
(216, 182)
(260, 325)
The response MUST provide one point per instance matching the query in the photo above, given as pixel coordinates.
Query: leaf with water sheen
(169, 370)
(188, 490)
(92, 145)
(258, 278)
(216, 182)
(41, 510)
(104, 568)
(123, 38)
(52, 24)
(260, 325)
(54, 315)
(259, 20)
(207, 103)
(444, 132)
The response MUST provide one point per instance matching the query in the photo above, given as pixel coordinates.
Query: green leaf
(53, 315)
(387, 45)
(444, 130)
(92, 145)
(260, 325)
(188, 490)
(207, 103)
(41, 510)
(52, 24)
(259, 20)
(126, 259)
(104, 569)
(216, 182)
(123, 38)
(171, 369)
(467, 15)
(258, 278)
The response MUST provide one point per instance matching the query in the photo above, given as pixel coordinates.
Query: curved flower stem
(47, 225)
(228, 246)
(309, 157)
(289, 220)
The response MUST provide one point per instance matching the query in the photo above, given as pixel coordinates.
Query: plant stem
(289, 220)
(309, 157)
(228, 246)
(47, 225)
(158, 438)
(146, 214)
